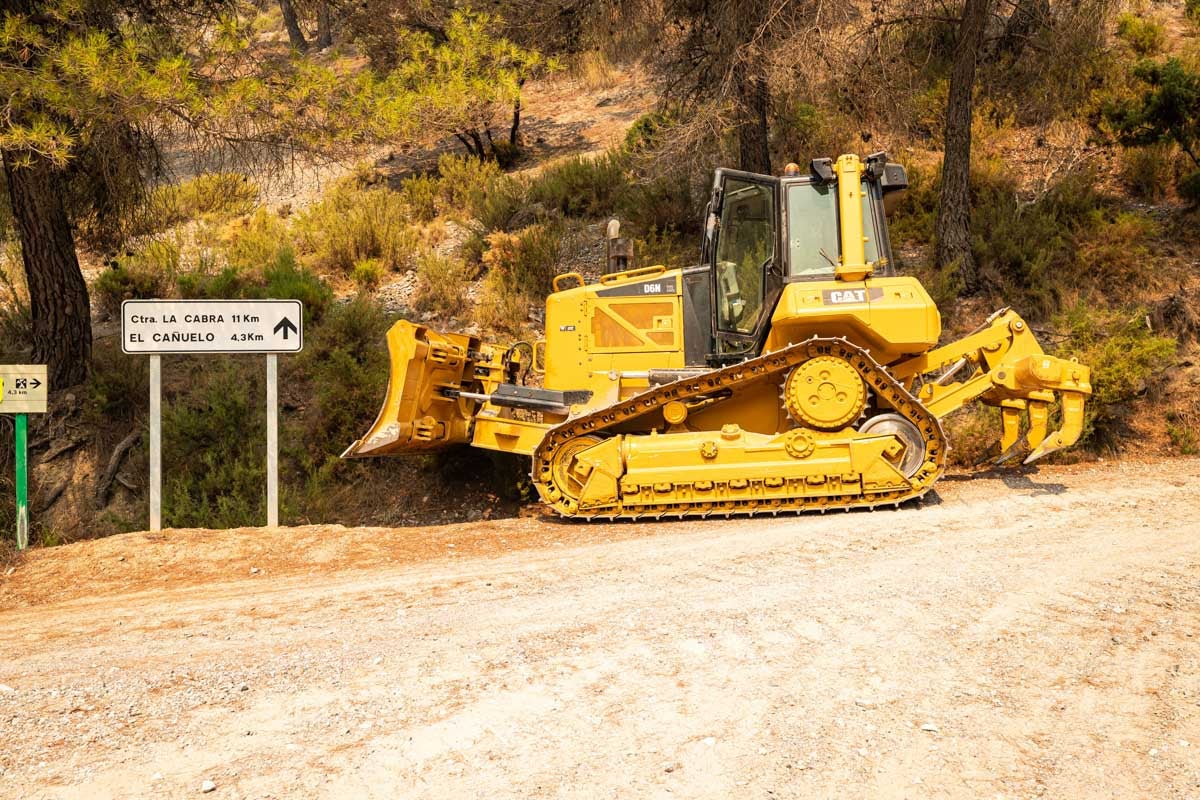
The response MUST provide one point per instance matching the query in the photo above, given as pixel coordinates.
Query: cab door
(742, 251)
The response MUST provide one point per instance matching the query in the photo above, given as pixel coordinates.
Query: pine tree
(79, 76)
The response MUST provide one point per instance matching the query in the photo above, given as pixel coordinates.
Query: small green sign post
(23, 391)
(22, 443)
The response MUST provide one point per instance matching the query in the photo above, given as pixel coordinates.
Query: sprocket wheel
(825, 393)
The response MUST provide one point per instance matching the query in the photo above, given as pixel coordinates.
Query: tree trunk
(516, 119)
(324, 25)
(953, 227)
(462, 137)
(58, 297)
(293, 25)
(754, 154)
(480, 150)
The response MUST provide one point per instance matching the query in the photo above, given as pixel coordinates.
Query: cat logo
(841, 297)
(848, 296)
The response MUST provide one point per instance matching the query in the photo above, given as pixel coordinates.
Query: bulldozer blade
(417, 414)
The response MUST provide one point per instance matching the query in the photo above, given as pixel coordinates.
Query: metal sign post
(22, 447)
(272, 440)
(23, 391)
(156, 443)
(158, 327)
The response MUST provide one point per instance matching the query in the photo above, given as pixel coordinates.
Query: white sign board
(156, 327)
(23, 388)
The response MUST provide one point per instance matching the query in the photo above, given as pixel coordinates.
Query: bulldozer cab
(762, 232)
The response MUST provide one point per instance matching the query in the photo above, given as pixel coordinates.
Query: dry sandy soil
(1020, 635)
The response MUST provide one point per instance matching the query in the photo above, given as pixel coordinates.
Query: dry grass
(594, 70)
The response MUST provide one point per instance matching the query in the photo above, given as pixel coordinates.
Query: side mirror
(822, 169)
(893, 179)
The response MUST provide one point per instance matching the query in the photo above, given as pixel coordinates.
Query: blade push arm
(1002, 364)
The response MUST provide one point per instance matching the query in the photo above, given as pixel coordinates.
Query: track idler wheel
(566, 478)
(825, 393)
(914, 444)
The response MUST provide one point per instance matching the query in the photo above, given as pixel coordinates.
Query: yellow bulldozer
(791, 370)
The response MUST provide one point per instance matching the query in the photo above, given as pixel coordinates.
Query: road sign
(23, 388)
(158, 327)
(155, 327)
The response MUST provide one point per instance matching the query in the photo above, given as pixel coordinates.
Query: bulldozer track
(752, 499)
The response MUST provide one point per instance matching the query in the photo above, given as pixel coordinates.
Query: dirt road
(1033, 635)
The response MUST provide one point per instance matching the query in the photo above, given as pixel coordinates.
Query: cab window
(813, 234)
(745, 243)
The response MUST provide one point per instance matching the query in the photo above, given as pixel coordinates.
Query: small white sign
(212, 326)
(23, 388)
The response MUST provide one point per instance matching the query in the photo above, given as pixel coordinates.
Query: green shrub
(471, 188)
(1146, 171)
(147, 274)
(974, 435)
(1189, 188)
(581, 186)
(795, 127)
(419, 193)
(1192, 8)
(497, 203)
(662, 203)
(216, 427)
(224, 194)
(281, 279)
(118, 386)
(1124, 356)
(1184, 435)
(217, 195)
(346, 363)
(442, 285)
(501, 308)
(664, 247)
(912, 220)
(1164, 107)
(801, 131)
(473, 246)
(1145, 36)
(648, 131)
(527, 261)
(929, 110)
(368, 273)
(201, 285)
(1111, 251)
(462, 180)
(350, 225)
(256, 242)
(505, 153)
(284, 280)
(1027, 251)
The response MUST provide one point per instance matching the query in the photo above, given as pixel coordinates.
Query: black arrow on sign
(286, 325)
(36, 382)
